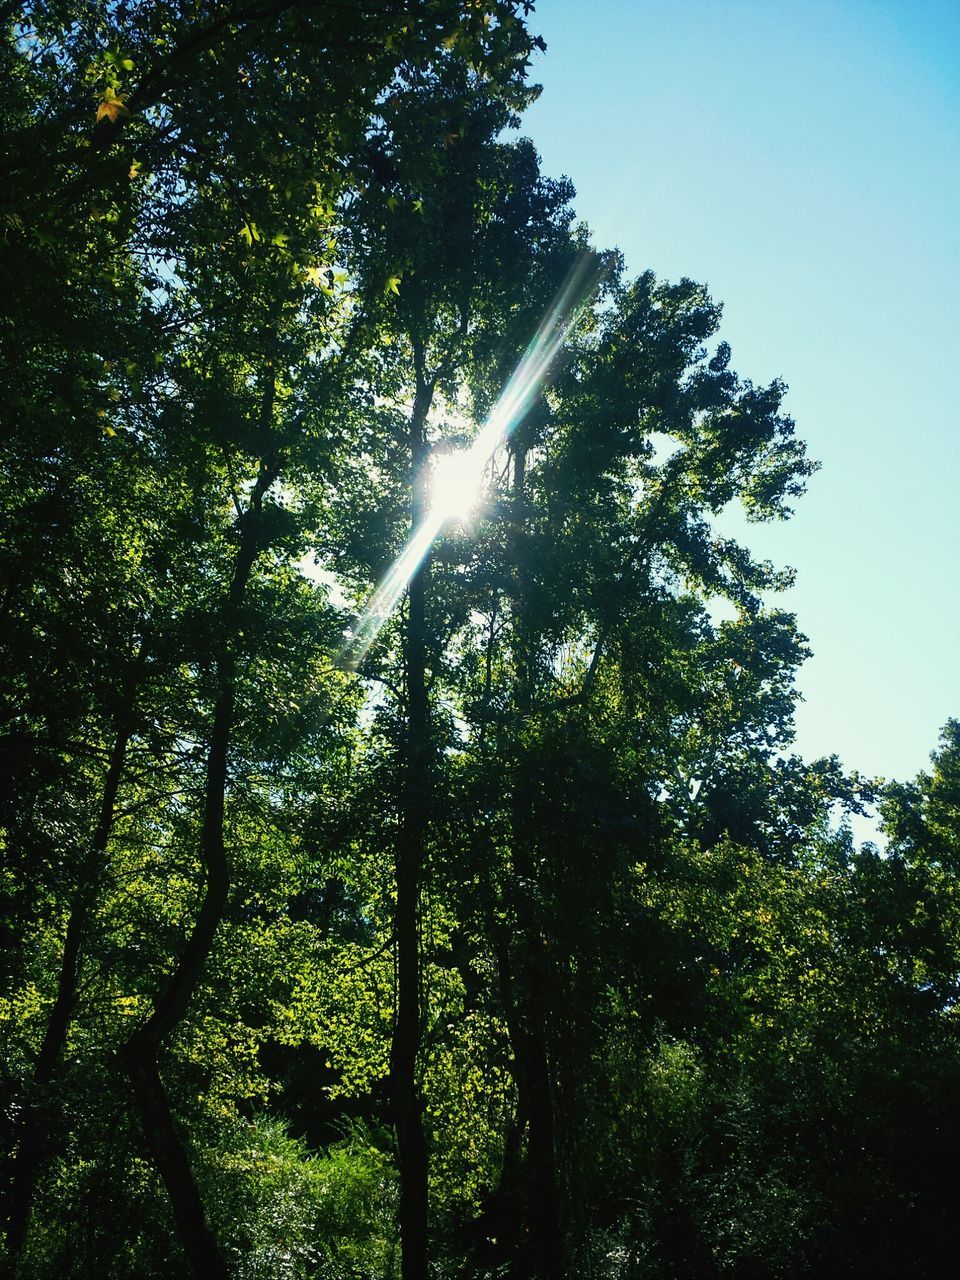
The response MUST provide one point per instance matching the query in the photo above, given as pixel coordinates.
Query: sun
(455, 480)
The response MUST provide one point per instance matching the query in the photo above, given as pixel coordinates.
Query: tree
(453, 222)
(492, 930)
(197, 231)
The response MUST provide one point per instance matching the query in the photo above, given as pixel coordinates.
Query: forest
(407, 868)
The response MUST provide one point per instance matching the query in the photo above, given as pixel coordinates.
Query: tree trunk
(29, 1140)
(407, 1105)
(141, 1053)
(528, 1026)
(510, 1170)
(528, 1192)
(534, 1081)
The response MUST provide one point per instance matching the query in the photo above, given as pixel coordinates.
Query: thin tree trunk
(534, 1080)
(30, 1137)
(510, 1169)
(411, 852)
(529, 1029)
(141, 1053)
(546, 1235)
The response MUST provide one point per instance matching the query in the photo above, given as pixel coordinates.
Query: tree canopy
(516, 941)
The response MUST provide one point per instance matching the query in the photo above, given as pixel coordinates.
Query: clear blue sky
(803, 160)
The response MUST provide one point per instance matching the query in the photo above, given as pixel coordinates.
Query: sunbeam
(454, 485)
(467, 467)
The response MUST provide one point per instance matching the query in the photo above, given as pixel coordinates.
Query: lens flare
(467, 466)
(454, 485)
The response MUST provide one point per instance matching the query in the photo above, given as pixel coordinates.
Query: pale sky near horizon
(802, 159)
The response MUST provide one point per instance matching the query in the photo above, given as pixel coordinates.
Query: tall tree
(188, 216)
(450, 217)
(601, 551)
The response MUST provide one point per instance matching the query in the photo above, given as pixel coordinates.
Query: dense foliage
(521, 944)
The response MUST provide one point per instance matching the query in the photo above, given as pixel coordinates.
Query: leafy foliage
(527, 941)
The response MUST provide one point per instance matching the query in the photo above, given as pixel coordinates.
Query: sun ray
(455, 485)
(511, 406)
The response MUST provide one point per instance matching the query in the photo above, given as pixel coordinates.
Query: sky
(803, 161)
